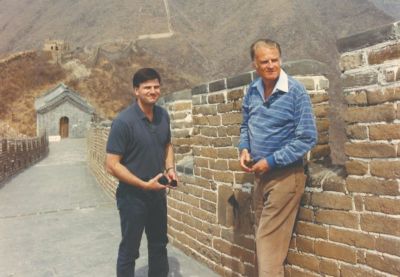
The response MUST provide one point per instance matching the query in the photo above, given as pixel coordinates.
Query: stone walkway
(55, 220)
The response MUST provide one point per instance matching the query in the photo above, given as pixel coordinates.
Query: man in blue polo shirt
(278, 128)
(139, 151)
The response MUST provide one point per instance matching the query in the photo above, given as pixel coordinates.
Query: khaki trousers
(276, 200)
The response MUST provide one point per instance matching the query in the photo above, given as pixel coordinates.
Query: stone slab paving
(55, 220)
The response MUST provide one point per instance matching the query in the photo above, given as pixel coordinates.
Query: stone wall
(349, 222)
(18, 154)
(210, 215)
(96, 154)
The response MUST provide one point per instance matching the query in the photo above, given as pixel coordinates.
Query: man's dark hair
(143, 75)
(266, 43)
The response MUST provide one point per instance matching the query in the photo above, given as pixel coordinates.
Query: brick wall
(96, 153)
(349, 222)
(18, 154)
(209, 214)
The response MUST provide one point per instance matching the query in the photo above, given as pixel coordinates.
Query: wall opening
(64, 127)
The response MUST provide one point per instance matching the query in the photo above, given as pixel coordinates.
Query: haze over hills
(197, 41)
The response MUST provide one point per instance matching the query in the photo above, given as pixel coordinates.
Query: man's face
(267, 63)
(148, 92)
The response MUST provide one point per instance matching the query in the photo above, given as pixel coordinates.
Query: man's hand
(153, 184)
(261, 167)
(245, 159)
(171, 175)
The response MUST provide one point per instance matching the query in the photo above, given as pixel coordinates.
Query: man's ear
(134, 91)
(255, 65)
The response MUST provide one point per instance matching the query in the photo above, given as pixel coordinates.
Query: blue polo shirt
(141, 143)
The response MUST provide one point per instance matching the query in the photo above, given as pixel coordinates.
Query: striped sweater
(280, 129)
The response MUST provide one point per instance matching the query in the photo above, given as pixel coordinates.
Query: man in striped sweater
(278, 128)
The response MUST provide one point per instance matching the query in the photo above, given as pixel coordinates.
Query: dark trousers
(140, 210)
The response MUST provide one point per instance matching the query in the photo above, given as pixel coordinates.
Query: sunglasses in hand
(163, 180)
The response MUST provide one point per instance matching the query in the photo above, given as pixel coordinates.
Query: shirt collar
(138, 110)
(281, 85)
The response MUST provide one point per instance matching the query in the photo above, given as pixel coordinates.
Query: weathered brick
(218, 164)
(311, 230)
(242, 177)
(355, 167)
(179, 115)
(222, 142)
(350, 61)
(384, 95)
(227, 153)
(384, 263)
(189, 199)
(296, 272)
(322, 125)
(238, 238)
(181, 106)
(212, 229)
(235, 94)
(200, 120)
(384, 112)
(234, 165)
(372, 185)
(356, 98)
(307, 261)
(337, 218)
(384, 131)
(323, 138)
(225, 107)
(223, 176)
(200, 162)
(334, 183)
(383, 205)
(388, 245)
(352, 238)
(359, 203)
(217, 85)
(329, 267)
(386, 169)
(306, 214)
(214, 120)
(305, 244)
(335, 251)
(205, 110)
(317, 98)
(347, 270)
(390, 74)
(209, 131)
(389, 52)
(209, 152)
(361, 79)
(331, 201)
(237, 266)
(380, 224)
(370, 150)
(205, 238)
(320, 151)
(216, 98)
(208, 206)
(203, 215)
(232, 118)
(357, 131)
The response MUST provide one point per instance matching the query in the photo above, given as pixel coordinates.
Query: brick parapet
(19, 154)
(349, 220)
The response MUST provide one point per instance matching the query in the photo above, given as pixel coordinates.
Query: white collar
(282, 84)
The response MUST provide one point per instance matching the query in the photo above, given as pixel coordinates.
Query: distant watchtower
(55, 45)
